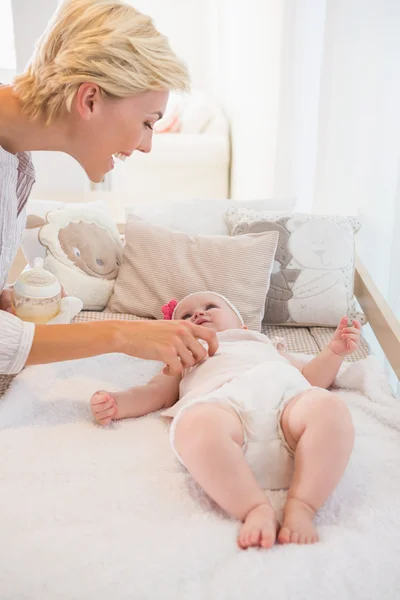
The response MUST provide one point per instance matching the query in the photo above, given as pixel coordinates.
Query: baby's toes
(295, 537)
(267, 538)
(285, 535)
(243, 540)
(255, 537)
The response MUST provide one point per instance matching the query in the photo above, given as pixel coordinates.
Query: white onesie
(250, 375)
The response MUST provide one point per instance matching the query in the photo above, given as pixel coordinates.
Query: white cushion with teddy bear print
(312, 283)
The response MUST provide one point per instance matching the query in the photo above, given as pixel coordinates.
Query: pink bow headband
(169, 309)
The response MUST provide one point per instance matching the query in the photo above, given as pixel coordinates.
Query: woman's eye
(77, 252)
(149, 126)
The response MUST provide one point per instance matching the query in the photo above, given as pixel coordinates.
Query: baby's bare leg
(318, 426)
(209, 440)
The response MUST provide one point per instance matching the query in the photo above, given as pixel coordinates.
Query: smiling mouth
(202, 322)
(121, 155)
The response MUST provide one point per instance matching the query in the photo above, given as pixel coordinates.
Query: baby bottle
(36, 294)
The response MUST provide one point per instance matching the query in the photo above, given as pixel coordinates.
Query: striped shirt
(17, 176)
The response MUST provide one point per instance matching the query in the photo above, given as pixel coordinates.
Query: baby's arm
(160, 392)
(322, 370)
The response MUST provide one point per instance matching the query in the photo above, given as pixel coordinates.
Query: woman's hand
(6, 300)
(346, 339)
(174, 343)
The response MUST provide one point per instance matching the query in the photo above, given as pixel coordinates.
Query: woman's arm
(174, 343)
(56, 343)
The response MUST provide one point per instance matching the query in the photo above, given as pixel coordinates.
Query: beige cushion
(160, 264)
(313, 276)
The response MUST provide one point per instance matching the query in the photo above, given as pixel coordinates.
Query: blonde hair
(105, 42)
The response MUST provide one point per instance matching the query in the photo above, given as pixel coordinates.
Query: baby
(251, 418)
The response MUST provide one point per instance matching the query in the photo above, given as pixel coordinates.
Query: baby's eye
(187, 316)
(209, 306)
(77, 252)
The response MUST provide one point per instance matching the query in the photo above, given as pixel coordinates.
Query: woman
(98, 81)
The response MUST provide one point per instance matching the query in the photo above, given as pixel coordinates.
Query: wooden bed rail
(384, 323)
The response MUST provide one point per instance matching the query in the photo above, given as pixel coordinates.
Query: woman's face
(101, 127)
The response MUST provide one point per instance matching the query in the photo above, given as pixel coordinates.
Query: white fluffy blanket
(100, 514)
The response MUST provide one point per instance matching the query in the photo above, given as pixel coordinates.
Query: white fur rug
(99, 514)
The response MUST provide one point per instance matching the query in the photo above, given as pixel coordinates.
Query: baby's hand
(103, 407)
(346, 339)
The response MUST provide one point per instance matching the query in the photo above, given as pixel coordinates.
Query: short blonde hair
(106, 42)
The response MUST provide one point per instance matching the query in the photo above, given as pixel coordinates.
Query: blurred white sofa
(191, 163)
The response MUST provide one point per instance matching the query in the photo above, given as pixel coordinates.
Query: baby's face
(209, 311)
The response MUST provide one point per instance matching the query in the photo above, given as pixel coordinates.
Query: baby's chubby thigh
(202, 425)
(260, 395)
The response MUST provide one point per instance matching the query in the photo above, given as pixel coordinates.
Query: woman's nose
(145, 145)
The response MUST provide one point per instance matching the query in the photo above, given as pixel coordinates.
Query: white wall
(268, 80)
(359, 131)
(249, 47)
(56, 173)
(188, 26)
(6, 76)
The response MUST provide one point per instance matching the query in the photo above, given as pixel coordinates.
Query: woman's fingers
(197, 350)
(186, 357)
(173, 363)
(189, 351)
(6, 300)
(208, 335)
(175, 343)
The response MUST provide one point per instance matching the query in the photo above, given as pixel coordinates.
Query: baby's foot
(297, 526)
(104, 407)
(259, 528)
